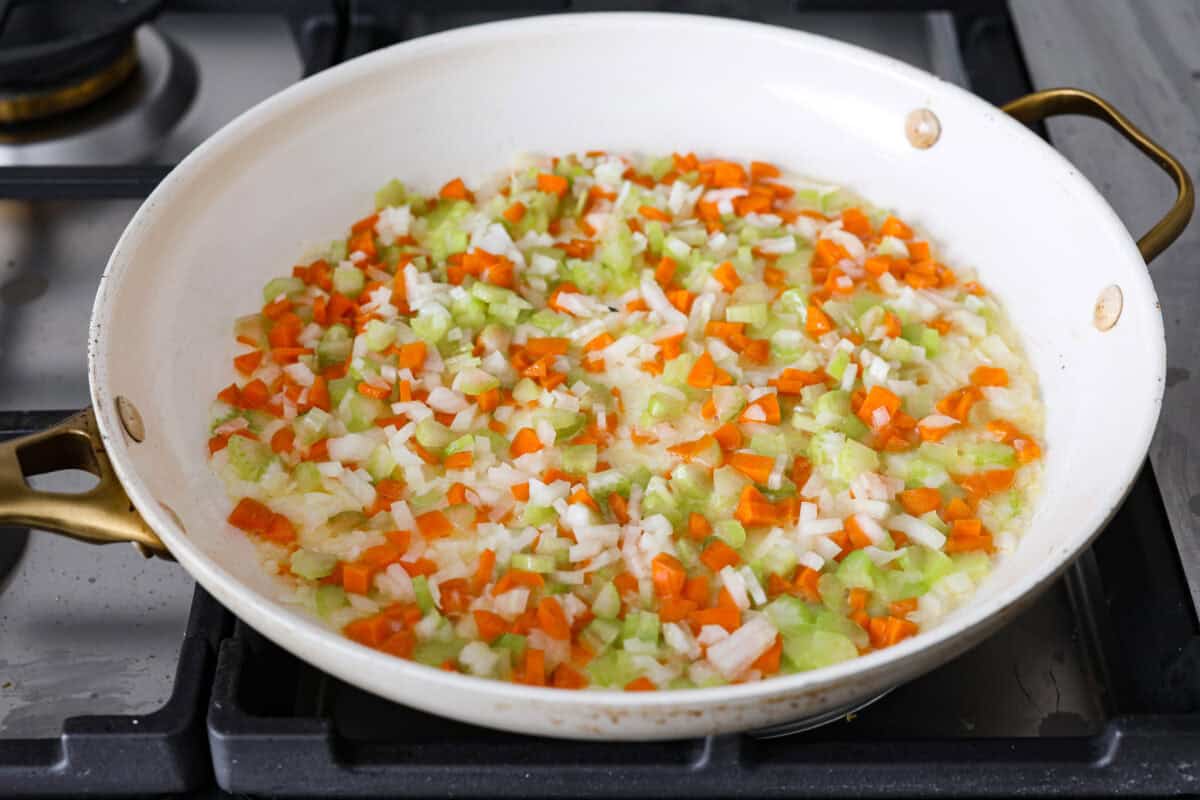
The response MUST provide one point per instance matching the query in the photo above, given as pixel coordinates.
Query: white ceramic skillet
(293, 169)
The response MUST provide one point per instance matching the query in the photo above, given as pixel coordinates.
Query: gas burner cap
(58, 55)
(125, 125)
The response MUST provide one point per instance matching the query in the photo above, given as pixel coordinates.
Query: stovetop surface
(1095, 688)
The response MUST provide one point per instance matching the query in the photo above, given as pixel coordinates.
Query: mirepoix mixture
(619, 422)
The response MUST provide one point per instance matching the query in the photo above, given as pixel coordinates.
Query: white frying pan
(292, 171)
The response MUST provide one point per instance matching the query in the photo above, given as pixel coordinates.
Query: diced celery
(566, 423)
(676, 371)
(613, 668)
(579, 459)
(348, 280)
(900, 584)
(359, 412)
(989, 454)
(446, 235)
(891, 246)
(311, 426)
(336, 252)
(533, 563)
(602, 484)
(307, 477)
(837, 365)
(663, 406)
(688, 553)
(607, 604)
(812, 649)
(379, 335)
(832, 405)
(435, 652)
(248, 458)
(659, 500)
(424, 595)
(924, 336)
(779, 561)
(284, 286)
(339, 388)
(431, 323)
(769, 444)
(329, 598)
(729, 402)
(391, 193)
(858, 571)
(789, 615)
(924, 473)
(526, 391)
(654, 237)
(599, 634)
(433, 435)
(793, 301)
(464, 443)
(833, 593)
(538, 515)
(512, 642)
(311, 564)
(549, 321)
(334, 347)
(976, 564)
(854, 459)
(468, 311)
(691, 481)
(617, 252)
(643, 625)
(731, 532)
(753, 314)
(380, 463)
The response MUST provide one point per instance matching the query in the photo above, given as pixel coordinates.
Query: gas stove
(118, 676)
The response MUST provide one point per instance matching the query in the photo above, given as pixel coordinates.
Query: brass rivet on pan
(922, 128)
(131, 420)
(1108, 307)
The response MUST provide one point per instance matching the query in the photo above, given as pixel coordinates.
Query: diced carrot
(462, 460)
(668, 575)
(665, 271)
(718, 555)
(757, 351)
(878, 397)
(857, 599)
(681, 299)
(817, 322)
(755, 467)
(411, 356)
(698, 527)
(283, 440)
(650, 212)
(918, 251)
(642, 684)
(434, 524)
(920, 501)
(515, 212)
(806, 583)
(989, 376)
(542, 346)
(251, 516)
(770, 414)
(552, 619)
(254, 395)
(727, 276)
(703, 372)
(455, 190)
(535, 667)
(552, 184)
(248, 362)
(520, 491)
(619, 506)
(728, 618)
(856, 222)
(483, 571)
(356, 577)
(753, 508)
(894, 227)
(515, 578)
(768, 662)
(567, 677)
(371, 631)
(526, 441)
(956, 509)
(728, 436)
